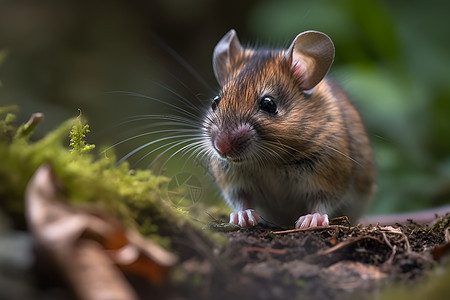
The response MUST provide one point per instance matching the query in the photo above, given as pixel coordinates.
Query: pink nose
(223, 144)
(226, 142)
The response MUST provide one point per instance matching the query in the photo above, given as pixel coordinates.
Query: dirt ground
(336, 262)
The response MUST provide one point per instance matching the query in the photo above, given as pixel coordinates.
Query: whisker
(151, 143)
(183, 63)
(154, 150)
(196, 151)
(149, 133)
(171, 144)
(181, 98)
(322, 145)
(171, 127)
(191, 145)
(175, 107)
(186, 87)
(205, 152)
(331, 148)
(176, 118)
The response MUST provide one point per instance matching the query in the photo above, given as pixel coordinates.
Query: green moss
(135, 196)
(77, 135)
(442, 223)
(7, 117)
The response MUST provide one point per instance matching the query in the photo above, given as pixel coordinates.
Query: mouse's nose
(233, 142)
(222, 143)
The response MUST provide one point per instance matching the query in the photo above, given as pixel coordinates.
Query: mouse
(284, 142)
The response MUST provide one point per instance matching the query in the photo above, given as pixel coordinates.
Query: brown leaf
(91, 248)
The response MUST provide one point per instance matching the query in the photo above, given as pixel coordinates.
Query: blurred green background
(393, 57)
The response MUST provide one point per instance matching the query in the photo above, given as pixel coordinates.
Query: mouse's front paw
(314, 220)
(244, 218)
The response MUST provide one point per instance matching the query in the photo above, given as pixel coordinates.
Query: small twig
(386, 240)
(408, 245)
(393, 248)
(408, 250)
(311, 229)
(211, 216)
(390, 229)
(344, 244)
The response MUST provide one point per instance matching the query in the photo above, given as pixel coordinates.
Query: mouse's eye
(215, 102)
(268, 105)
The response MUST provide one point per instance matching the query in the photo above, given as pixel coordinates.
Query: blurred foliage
(391, 56)
(435, 286)
(136, 197)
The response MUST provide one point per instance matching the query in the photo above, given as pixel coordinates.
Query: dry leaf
(92, 249)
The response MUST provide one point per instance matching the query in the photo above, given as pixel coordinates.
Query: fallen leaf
(92, 248)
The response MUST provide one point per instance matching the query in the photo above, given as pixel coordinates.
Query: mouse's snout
(232, 143)
(223, 143)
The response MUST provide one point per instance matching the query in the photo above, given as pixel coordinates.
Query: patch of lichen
(135, 196)
(441, 223)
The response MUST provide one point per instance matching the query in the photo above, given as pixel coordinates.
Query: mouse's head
(264, 111)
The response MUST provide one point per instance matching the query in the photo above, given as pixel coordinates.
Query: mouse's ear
(225, 52)
(311, 55)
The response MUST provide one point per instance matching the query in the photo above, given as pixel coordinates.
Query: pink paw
(314, 220)
(244, 218)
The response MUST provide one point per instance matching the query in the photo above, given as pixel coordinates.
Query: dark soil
(335, 262)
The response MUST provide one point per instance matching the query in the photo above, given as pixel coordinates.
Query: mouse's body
(286, 142)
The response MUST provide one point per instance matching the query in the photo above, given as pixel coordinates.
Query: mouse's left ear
(311, 55)
(225, 52)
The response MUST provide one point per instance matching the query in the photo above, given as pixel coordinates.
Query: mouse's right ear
(225, 53)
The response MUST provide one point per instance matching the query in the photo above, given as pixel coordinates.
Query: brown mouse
(284, 142)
